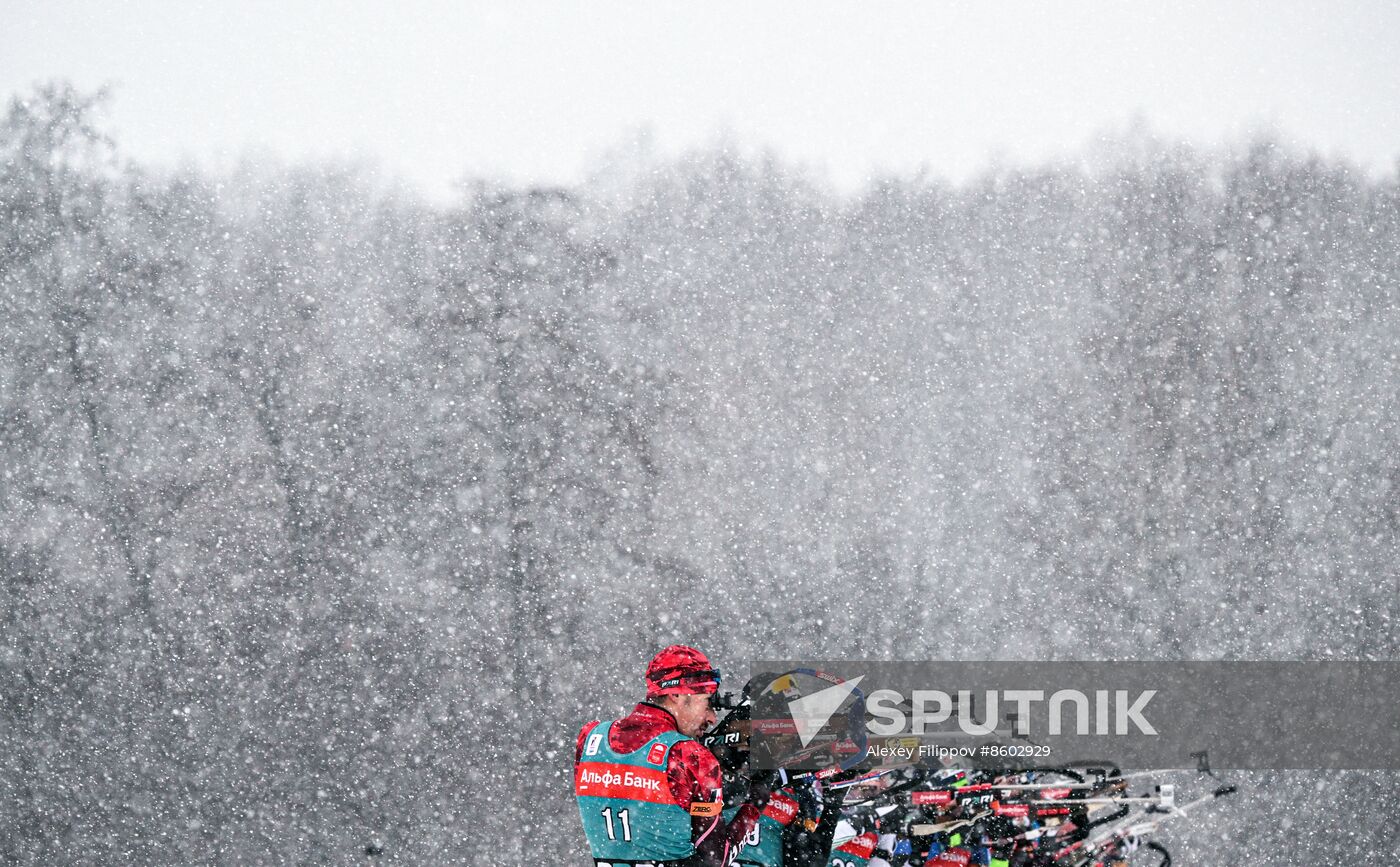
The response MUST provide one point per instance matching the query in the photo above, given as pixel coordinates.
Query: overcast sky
(437, 89)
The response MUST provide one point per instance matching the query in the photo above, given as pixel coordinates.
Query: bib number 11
(622, 820)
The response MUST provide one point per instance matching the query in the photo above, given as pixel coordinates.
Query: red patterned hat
(681, 670)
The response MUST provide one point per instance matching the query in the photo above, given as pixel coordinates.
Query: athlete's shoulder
(692, 755)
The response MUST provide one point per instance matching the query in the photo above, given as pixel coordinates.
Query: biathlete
(649, 794)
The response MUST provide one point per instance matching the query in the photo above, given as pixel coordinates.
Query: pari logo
(1068, 711)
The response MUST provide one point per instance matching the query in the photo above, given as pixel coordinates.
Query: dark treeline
(326, 515)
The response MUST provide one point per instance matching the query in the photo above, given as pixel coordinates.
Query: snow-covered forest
(327, 514)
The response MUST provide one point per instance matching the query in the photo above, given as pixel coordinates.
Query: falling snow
(327, 514)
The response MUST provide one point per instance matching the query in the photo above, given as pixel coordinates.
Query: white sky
(433, 90)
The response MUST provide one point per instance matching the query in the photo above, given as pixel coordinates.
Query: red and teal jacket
(764, 844)
(855, 852)
(669, 785)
